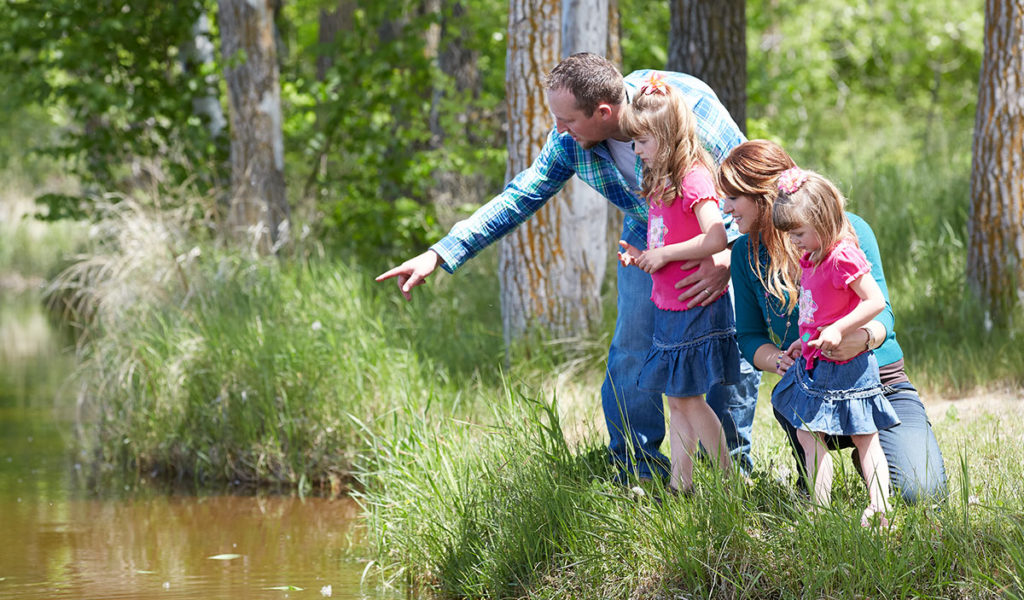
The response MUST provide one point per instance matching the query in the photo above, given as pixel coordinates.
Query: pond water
(58, 540)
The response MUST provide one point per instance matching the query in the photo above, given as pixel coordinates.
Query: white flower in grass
(316, 326)
(326, 591)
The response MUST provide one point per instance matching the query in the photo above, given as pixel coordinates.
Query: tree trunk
(995, 257)
(614, 54)
(707, 39)
(332, 22)
(259, 208)
(587, 26)
(197, 52)
(551, 267)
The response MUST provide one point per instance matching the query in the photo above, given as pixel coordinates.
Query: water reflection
(58, 542)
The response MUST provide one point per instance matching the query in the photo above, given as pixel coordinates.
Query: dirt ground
(1005, 402)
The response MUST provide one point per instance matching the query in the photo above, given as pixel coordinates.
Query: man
(586, 93)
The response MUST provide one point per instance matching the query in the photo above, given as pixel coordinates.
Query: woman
(765, 272)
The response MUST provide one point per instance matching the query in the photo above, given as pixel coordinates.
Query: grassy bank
(528, 513)
(198, 364)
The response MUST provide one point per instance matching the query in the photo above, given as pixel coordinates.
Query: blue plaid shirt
(561, 158)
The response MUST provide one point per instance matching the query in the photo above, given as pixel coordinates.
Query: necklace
(779, 311)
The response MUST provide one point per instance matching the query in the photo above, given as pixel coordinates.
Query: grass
(201, 365)
(518, 510)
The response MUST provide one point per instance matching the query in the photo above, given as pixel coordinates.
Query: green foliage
(385, 120)
(199, 364)
(862, 82)
(116, 71)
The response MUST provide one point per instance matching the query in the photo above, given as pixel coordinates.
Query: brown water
(59, 541)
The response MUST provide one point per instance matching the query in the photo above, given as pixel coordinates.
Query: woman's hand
(788, 357)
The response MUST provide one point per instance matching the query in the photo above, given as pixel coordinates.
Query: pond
(59, 540)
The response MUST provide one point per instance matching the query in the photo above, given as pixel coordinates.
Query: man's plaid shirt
(561, 158)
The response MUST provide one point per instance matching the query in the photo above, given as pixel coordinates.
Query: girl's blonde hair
(752, 169)
(814, 201)
(663, 114)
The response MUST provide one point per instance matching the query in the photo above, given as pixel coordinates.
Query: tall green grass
(198, 363)
(516, 510)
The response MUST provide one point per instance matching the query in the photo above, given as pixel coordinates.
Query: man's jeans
(635, 418)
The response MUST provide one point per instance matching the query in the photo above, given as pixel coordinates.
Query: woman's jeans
(916, 468)
(635, 418)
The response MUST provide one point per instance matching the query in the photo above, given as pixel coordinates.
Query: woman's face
(744, 212)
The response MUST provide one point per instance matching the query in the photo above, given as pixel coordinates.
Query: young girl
(818, 395)
(694, 348)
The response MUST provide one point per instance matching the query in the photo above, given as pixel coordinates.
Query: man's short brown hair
(591, 79)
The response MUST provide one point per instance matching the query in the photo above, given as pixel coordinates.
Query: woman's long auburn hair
(752, 169)
(665, 116)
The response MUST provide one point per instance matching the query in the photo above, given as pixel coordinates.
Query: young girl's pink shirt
(825, 293)
(674, 224)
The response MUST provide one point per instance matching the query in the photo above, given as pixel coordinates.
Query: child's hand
(795, 350)
(827, 340)
(652, 260)
(629, 254)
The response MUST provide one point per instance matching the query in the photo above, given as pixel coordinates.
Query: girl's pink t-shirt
(825, 293)
(674, 224)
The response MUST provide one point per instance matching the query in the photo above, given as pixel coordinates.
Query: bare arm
(711, 241)
(770, 357)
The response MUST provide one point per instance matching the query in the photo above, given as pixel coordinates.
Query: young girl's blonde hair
(807, 198)
(661, 112)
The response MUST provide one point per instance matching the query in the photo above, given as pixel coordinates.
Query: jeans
(635, 418)
(916, 468)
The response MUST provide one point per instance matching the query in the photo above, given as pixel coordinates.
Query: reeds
(515, 511)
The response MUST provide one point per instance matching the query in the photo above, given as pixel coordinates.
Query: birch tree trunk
(995, 256)
(614, 54)
(708, 39)
(259, 208)
(196, 53)
(551, 267)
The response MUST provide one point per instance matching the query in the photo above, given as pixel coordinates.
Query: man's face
(587, 131)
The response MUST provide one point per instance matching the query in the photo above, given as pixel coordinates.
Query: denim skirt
(837, 399)
(692, 350)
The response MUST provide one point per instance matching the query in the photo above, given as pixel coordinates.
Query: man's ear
(605, 110)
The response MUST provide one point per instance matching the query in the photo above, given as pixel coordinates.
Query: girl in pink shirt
(818, 395)
(693, 348)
